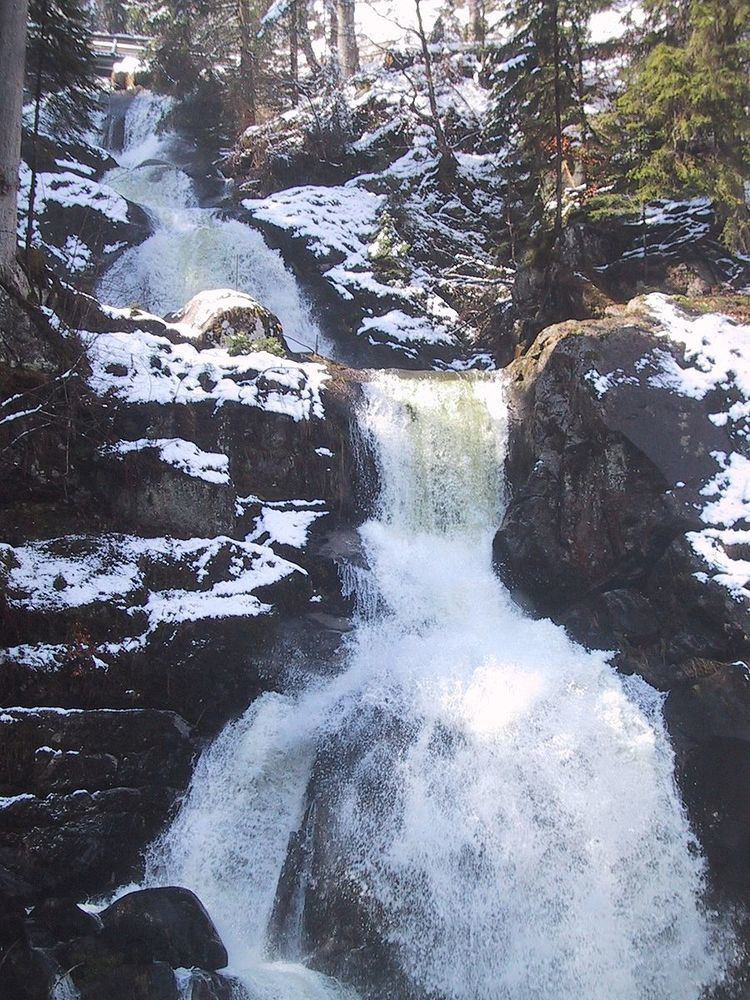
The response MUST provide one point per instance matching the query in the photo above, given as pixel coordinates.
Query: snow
(716, 353)
(68, 190)
(129, 65)
(182, 455)
(140, 367)
(400, 327)
(79, 571)
(287, 522)
(602, 383)
(332, 219)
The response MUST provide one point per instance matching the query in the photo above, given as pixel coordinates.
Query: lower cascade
(481, 808)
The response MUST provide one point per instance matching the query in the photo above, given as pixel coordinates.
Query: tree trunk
(333, 35)
(41, 50)
(476, 21)
(558, 120)
(448, 157)
(303, 25)
(294, 50)
(347, 38)
(248, 96)
(13, 15)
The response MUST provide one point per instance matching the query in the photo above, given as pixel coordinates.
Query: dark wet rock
(140, 949)
(63, 919)
(324, 909)
(709, 720)
(214, 986)
(78, 825)
(28, 973)
(128, 981)
(675, 249)
(594, 531)
(165, 925)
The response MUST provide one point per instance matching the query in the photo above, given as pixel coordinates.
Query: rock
(225, 318)
(12, 918)
(129, 981)
(324, 909)
(213, 986)
(592, 534)
(30, 973)
(166, 925)
(63, 919)
(61, 837)
(709, 721)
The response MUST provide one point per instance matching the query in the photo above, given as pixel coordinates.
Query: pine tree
(685, 115)
(538, 105)
(60, 75)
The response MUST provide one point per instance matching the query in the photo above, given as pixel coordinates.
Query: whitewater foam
(501, 795)
(192, 249)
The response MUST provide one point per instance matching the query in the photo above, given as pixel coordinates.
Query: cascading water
(501, 797)
(192, 249)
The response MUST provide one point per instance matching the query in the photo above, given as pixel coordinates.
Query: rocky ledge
(172, 517)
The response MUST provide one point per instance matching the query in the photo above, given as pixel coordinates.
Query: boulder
(63, 919)
(594, 530)
(225, 318)
(129, 981)
(165, 925)
(213, 986)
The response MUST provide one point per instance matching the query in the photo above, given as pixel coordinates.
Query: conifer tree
(685, 114)
(538, 110)
(61, 76)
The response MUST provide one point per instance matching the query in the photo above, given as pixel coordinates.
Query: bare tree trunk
(558, 120)
(38, 77)
(294, 50)
(333, 35)
(248, 96)
(305, 41)
(442, 142)
(347, 38)
(13, 15)
(477, 29)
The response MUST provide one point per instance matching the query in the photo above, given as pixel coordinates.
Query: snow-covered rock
(225, 318)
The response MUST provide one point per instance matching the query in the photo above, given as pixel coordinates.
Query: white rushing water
(192, 249)
(503, 797)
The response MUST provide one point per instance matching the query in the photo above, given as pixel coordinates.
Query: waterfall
(500, 795)
(192, 249)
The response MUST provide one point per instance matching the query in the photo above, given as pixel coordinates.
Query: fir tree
(685, 115)
(538, 106)
(60, 75)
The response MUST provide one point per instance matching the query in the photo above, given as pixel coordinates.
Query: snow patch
(212, 467)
